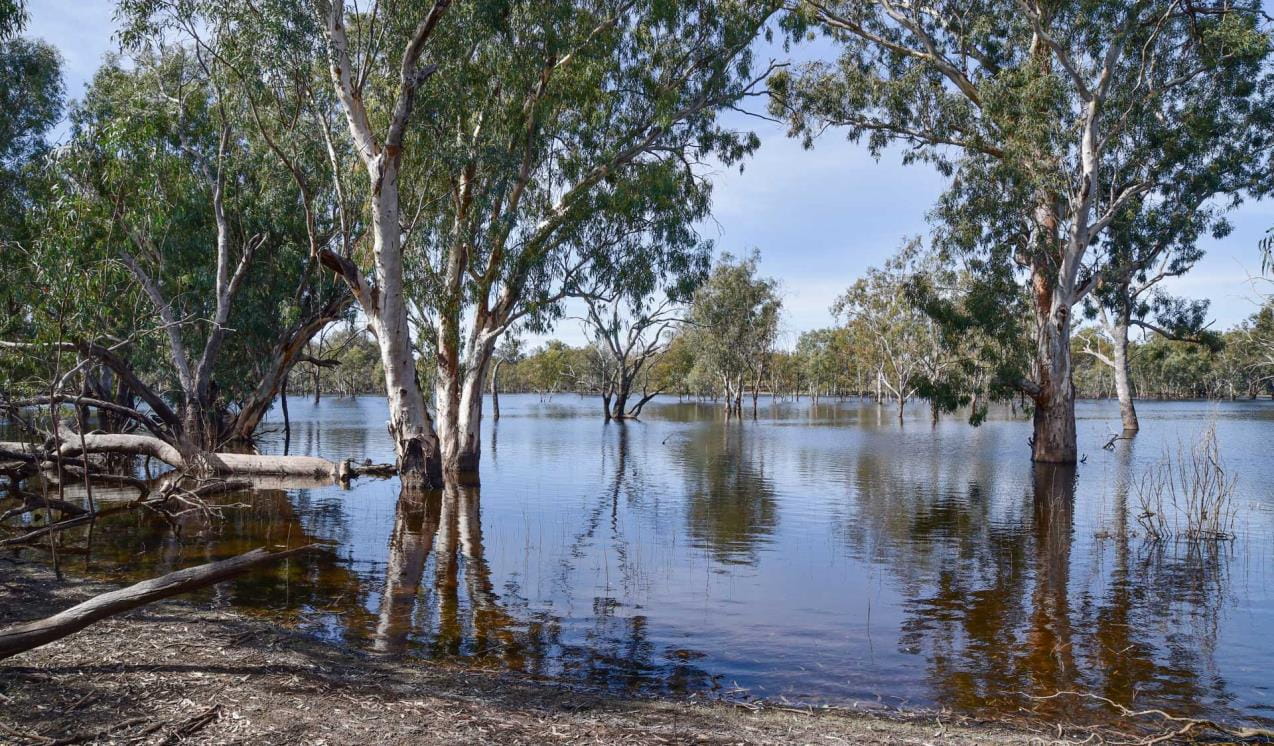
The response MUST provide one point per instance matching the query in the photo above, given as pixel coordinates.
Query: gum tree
(1057, 120)
(195, 293)
(734, 320)
(31, 103)
(570, 156)
(1158, 238)
(899, 342)
(510, 153)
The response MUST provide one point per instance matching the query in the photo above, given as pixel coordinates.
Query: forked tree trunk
(619, 407)
(385, 304)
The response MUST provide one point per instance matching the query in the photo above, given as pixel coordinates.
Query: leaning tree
(1057, 119)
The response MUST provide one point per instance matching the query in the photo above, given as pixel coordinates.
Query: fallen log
(23, 637)
(201, 462)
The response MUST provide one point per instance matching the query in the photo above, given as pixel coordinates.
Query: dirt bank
(178, 673)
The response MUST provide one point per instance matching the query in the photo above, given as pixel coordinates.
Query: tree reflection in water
(460, 614)
(997, 585)
(733, 507)
(1005, 622)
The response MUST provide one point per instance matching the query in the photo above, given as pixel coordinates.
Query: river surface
(822, 554)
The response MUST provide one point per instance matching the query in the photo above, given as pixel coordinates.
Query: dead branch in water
(172, 490)
(23, 637)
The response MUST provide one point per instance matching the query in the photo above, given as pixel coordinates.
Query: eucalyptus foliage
(1056, 120)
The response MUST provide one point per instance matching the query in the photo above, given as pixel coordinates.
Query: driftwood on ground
(23, 637)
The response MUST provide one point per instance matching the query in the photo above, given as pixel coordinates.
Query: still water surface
(822, 554)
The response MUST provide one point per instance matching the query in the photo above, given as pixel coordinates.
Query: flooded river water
(823, 554)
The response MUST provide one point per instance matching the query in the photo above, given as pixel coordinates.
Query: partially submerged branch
(23, 637)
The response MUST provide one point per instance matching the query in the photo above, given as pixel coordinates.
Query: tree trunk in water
(287, 419)
(1123, 383)
(415, 442)
(460, 418)
(1053, 441)
(495, 390)
(619, 410)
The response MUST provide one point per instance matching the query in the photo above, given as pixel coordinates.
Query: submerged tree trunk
(384, 303)
(459, 423)
(415, 443)
(618, 407)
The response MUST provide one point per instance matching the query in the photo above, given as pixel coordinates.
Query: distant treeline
(1235, 364)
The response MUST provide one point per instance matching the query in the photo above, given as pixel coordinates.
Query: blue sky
(820, 218)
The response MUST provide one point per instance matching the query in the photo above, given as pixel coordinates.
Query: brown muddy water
(821, 554)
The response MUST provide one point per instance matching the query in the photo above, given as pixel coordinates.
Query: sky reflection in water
(823, 554)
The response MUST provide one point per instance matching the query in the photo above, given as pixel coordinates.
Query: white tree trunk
(1123, 382)
(418, 455)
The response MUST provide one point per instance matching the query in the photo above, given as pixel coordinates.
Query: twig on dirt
(94, 735)
(192, 725)
(1187, 724)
